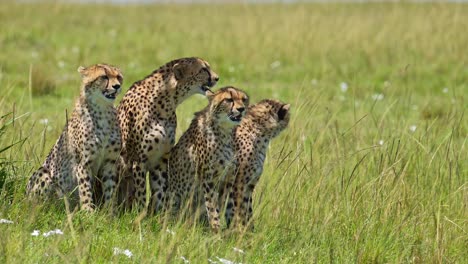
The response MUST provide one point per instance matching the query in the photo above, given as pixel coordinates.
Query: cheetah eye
(245, 99)
(229, 100)
(105, 77)
(120, 79)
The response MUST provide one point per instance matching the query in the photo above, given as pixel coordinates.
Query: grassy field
(373, 167)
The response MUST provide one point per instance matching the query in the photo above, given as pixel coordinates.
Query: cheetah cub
(86, 152)
(263, 121)
(199, 160)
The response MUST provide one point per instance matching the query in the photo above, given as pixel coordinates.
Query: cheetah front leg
(211, 204)
(84, 177)
(158, 182)
(235, 198)
(228, 194)
(246, 211)
(109, 180)
(139, 183)
(243, 205)
(230, 208)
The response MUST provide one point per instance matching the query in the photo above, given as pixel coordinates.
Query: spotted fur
(263, 121)
(86, 152)
(147, 117)
(199, 160)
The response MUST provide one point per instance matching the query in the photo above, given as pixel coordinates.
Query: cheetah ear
(180, 70)
(82, 70)
(283, 111)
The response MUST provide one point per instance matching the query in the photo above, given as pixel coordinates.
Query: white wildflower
(231, 69)
(412, 128)
(75, 49)
(445, 90)
(212, 261)
(132, 65)
(185, 259)
(314, 82)
(6, 221)
(170, 231)
(275, 64)
(113, 33)
(44, 121)
(378, 97)
(381, 142)
(126, 252)
(238, 250)
(344, 87)
(35, 233)
(226, 261)
(61, 64)
(387, 84)
(53, 232)
(34, 54)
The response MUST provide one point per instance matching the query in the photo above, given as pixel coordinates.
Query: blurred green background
(371, 169)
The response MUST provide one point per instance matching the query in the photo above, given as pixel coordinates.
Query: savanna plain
(373, 165)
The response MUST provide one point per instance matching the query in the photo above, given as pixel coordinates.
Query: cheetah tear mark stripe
(232, 106)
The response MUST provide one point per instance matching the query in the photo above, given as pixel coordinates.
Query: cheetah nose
(116, 86)
(241, 109)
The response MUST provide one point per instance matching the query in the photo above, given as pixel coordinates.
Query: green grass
(348, 181)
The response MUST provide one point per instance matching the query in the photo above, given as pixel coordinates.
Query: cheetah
(263, 121)
(89, 146)
(197, 163)
(147, 117)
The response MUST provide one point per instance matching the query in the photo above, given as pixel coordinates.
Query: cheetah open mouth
(110, 96)
(206, 88)
(235, 118)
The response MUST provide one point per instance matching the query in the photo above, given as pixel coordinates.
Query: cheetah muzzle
(111, 93)
(235, 117)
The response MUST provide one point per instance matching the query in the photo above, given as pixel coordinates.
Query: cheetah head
(101, 82)
(271, 115)
(194, 75)
(228, 104)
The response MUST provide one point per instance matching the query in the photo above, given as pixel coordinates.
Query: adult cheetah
(89, 146)
(205, 150)
(263, 121)
(147, 117)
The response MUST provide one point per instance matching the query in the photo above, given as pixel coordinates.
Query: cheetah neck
(257, 130)
(164, 90)
(254, 137)
(93, 105)
(220, 129)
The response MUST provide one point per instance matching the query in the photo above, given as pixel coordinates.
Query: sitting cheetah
(89, 145)
(263, 121)
(147, 117)
(205, 150)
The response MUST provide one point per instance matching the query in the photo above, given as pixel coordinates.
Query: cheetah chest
(104, 140)
(219, 156)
